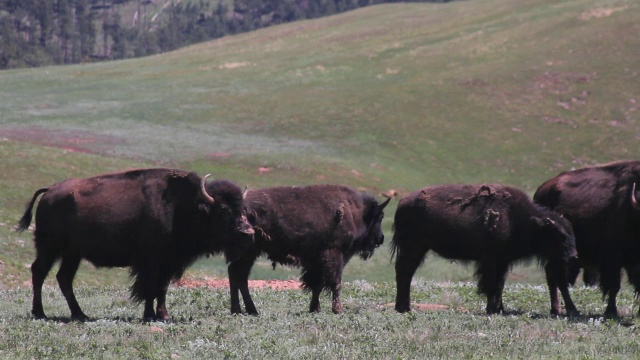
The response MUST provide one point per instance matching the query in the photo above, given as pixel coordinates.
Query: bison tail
(25, 221)
(393, 248)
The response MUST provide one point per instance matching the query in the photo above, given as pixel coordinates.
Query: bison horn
(634, 201)
(244, 193)
(206, 195)
(384, 204)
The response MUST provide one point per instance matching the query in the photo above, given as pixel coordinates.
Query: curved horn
(634, 201)
(382, 206)
(206, 195)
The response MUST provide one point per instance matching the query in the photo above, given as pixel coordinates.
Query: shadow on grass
(581, 318)
(124, 319)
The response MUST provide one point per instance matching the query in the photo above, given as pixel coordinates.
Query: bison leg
(491, 283)
(39, 270)
(161, 306)
(239, 282)
(314, 306)
(332, 277)
(149, 313)
(406, 265)
(610, 278)
(144, 288)
(312, 280)
(633, 271)
(501, 277)
(557, 278)
(553, 289)
(65, 275)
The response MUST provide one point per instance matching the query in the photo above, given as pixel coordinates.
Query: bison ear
(537, 221)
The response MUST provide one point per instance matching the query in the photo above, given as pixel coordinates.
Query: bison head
(374, 236)
(222, 201)
(555, 237)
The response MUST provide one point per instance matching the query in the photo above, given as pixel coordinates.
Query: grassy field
(369, 328)
(396, 96)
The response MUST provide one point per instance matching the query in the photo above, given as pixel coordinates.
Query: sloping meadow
(387, 99)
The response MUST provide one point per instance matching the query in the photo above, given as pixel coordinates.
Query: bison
(318, 228)
(491, 225)
(601, 203)
(590, 275)
(155, 221)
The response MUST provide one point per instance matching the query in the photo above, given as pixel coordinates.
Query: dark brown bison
(601, 204)
(156, 221)
(492, 225)
(590, 275)
(318, 228)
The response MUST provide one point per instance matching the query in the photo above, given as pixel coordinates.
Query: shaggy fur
(155, 221)
(318, 228)
(597, 201)
(491, 225)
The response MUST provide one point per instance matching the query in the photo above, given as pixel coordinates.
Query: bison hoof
(402, 309)
(166, 318)
(39, 315)
(611, 314)
(79, 317)
(573, 313)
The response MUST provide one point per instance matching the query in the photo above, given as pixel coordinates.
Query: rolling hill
(394, 96)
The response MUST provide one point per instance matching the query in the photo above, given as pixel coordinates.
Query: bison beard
(601, 203)
(156, 221)
(492, 225)
(316, 227)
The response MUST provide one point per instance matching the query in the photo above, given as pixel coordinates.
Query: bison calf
(601, 202)
(318, 228)
(492, 225)
(156, 221)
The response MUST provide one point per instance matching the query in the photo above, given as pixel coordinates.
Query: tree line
(47, 32)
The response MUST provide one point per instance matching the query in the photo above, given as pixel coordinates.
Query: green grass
(397, 96)
(401, 94)
(369, 329)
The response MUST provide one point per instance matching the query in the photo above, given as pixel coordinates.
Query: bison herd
(157, 222)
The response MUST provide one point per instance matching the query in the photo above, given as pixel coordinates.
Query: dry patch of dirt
(235, 65)
(430, 307)
(212, 283)
(600, 12)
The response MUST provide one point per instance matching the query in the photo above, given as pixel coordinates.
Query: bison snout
(248, 231)
(574, 260)
(244, 227)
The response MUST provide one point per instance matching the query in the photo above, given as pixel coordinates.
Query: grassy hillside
(394, 96)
